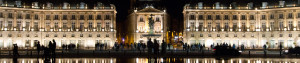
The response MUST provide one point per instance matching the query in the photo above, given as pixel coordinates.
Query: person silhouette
(38, 47)
(163, 47)
(53, 47)
(15, 50)
(156, 47)
(149, 46)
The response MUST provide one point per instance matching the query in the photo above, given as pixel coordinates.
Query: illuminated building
(141, 24)
(251, 26)
(67, 24)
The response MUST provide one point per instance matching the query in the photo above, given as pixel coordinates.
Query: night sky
(174, 9)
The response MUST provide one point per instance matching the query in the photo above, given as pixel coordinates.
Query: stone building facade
(80, 25)
(140, 24)
(253, 27)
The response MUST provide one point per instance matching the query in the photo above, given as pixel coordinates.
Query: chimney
(250, 5)
(66, 5)
(49, 5)
(82, 5)
(35, 5)
(18, 3)
(217, 5)
(281, 3)
(200, 5)
(264, 5)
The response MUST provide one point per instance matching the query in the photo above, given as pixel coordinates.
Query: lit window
(272, 35)
(243, 17)
(209, 35)
(263, 35)
(226, 35)
(201, 35)
(252, 17)
(19, 35)
(192, 35)
(192, 17)
(234, 17)
(226, 17)
(55, 35)
(47, 35)
(81, 17)
(280, 35)
(290, 35)
(90, 17)
(235, 35)
(9, 35)
(98, 16)
(280, 16)
(218, 17)
(218, 35)
(64, 17)
(200, 17)
(64, 35)
(55, 17)
(98, 35)
(81, 35)
(73, 35)
(27, 35)
(107, 35)
(36, 35)
(107, 17)
(209, 17)
(90, 35)
(290, 15)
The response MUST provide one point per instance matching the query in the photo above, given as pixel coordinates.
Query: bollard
(124, 52)
(109, 53)
(249, 53)
(93, 52)
(77, 52)
(280, 52)
(202, 52)
(265, 52)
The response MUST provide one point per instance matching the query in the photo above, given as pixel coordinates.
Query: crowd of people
(100, 46)
(69, 46)
(152, 46)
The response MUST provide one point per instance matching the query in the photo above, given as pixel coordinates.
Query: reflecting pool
(151, 60)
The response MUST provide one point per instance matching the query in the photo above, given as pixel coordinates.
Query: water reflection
(153, 60)
(59, 60)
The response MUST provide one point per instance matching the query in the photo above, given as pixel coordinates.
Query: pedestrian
(265, 47)
(53, 47)
(163, 47)
(149, 45)
(38, 47)
(15, 50)
(233, 46)
(138, 46)
(242, 47)
(156, 47)
(50, 45)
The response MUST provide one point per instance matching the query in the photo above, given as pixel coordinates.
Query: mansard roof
(150, 9)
